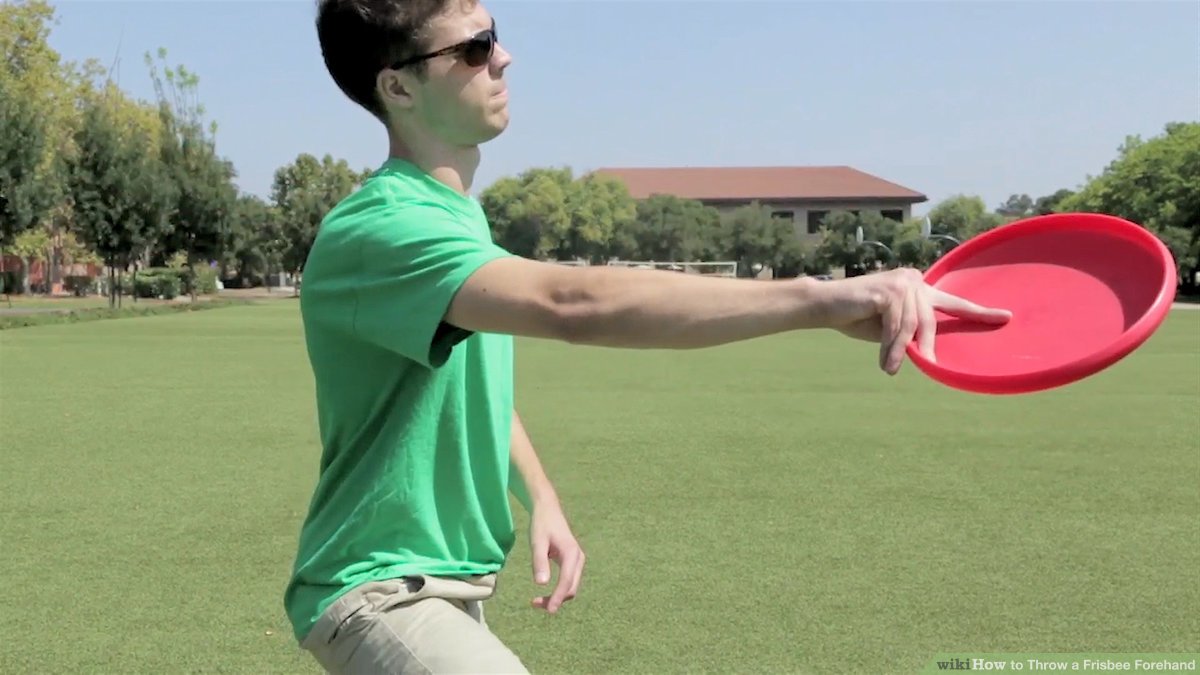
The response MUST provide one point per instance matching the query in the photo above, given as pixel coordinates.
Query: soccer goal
(714, 269)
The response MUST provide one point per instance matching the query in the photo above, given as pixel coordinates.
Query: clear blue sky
(986, 98)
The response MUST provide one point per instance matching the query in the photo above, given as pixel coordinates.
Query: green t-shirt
(414, 414)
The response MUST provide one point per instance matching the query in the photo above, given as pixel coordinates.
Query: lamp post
(927, 233)
(858, 238)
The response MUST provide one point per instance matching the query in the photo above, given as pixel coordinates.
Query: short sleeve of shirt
(412, 265)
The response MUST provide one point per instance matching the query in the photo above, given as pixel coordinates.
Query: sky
(946, 98)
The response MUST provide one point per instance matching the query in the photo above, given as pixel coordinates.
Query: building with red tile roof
(803, 193)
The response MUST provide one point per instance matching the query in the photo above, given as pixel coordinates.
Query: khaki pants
(417, 625)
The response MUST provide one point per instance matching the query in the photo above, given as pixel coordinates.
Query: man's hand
(893, 307)
(550, 538)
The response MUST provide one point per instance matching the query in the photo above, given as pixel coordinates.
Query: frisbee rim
(1076, 369)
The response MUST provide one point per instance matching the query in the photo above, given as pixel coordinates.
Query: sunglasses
(475, 50)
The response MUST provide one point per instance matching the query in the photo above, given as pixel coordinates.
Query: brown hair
(361, 37)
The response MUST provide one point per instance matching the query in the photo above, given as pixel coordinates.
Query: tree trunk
(192, 275)
(112, 282)
(4, 279)
(26, 268)
(50, 269)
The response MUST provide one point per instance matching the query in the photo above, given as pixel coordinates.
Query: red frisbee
(1085, 290)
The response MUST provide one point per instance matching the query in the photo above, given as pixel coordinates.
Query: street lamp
(927, 233)
(858, 238)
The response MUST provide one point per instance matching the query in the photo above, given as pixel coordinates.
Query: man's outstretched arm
(621, 307)
(550, 536)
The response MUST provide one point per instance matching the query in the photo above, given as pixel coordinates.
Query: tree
(674, 229)
(793, 257)
(35, 120)
(119, 187)
(304, 192)
(505, 219)
(1050, 203)
(912, 249)
(256, 243)
(30, 246)
(840, 248)
(754, 238)
(23, 197)
(1155, 183)
(204, 193)
(599, 207)
(1017, 206)
(963, 217)
(530, 214)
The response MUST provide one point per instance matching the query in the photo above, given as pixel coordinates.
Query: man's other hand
(550, 538)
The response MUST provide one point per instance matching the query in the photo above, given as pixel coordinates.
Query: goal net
(715, 269)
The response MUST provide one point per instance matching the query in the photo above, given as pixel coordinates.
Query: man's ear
(395, 88)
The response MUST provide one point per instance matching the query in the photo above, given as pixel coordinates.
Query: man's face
(459, 103)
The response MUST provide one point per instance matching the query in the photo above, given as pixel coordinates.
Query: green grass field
(774, 506)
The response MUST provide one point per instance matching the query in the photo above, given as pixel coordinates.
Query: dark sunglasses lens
(478, 50)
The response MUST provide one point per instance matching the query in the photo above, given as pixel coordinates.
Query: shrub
(80, 285)
(205, 280)
(167, 285)
(143, 285)
(10, 282)
(97, 313)
(157, 282)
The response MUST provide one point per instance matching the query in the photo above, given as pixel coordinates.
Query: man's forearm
(529, 483)
(655, 309)
(650, 309)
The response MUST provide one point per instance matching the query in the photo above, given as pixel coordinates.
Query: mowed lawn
(775, 506)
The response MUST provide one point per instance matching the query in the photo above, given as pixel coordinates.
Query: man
(409, 311)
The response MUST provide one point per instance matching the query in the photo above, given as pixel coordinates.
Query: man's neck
(454, 167)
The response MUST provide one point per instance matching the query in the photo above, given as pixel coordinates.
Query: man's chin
(496, 126)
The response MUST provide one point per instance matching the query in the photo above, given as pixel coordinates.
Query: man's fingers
(567, 570)
(890, 320)
(906, 307)
(540, 553)
(574, 590)
(927, 329)
(908, 328)
(965, 309)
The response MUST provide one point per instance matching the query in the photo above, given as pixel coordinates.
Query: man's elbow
(576, 318)
(575, 324)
